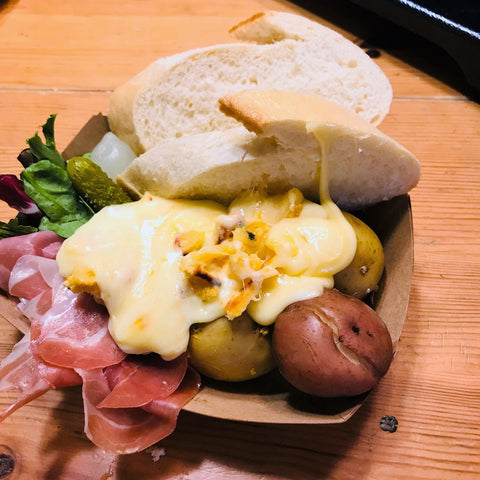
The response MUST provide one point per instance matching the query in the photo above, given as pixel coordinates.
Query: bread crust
(260, 111)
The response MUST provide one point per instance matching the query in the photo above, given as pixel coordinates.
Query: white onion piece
(112, 155)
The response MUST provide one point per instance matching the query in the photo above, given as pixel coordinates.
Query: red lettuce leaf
(12, 192)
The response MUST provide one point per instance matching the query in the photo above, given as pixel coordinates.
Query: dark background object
(454, 25)
(440, 37)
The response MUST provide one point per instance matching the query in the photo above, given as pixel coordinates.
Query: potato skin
(231, 350)
(332, 345)
(365, 270)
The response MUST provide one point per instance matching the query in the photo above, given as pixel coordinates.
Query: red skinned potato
(333, 345)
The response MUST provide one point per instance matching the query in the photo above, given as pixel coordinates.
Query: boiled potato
(364, 272)
(231, 350)
(332, 345)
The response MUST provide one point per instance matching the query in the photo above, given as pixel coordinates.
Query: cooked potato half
(231, 350)
(365, 270)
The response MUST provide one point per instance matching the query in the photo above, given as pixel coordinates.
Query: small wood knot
(7, 464)
(389, 423)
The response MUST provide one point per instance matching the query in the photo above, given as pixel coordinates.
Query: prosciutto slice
(30, 375)
(44, 244)
(130, 402)
(67, 329)
(74, 333)
(35, 280)
(134, 428)
(139, 380)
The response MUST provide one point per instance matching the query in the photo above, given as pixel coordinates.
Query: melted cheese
(130, 250)
(160, 265)
(282, 290)
(309, 249)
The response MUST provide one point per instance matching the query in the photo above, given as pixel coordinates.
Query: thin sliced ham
(34, 278)
(67, 329)
(141, 379)
(44, 244)
(74, 333)
(169, 407)
(129, 430)
(29, 276)
(32, 377)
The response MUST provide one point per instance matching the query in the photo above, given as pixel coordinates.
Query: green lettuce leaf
(49, 186)
(47, 150)
(14, 229)
(64, 229)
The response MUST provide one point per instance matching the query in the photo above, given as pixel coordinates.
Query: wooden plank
(11, 314)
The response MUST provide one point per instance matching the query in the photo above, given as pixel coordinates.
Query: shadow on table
(201, 447)
(7, 5)
(204, 447)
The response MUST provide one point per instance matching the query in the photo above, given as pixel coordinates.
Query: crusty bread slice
(179, 95)
(121, 111)
(364, 165)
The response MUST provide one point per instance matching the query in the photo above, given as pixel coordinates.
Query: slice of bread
(365, 166)
(179, 95)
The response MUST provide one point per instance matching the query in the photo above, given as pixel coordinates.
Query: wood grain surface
(67, 56)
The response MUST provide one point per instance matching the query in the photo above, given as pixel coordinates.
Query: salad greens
(51, 189)
(47, 150)
(44, 187)
(14, 228)
(12, 192)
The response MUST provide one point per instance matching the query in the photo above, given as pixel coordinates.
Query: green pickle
(94, 185)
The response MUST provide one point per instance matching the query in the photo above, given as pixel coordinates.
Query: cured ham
(141, 379)
(130, 402)
(44, 244)
(74, 333)
(34, 280)
(116, 427)
(33, 377)
(67, 329)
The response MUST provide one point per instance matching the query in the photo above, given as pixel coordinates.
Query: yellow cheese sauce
(161, 265)
(130, 251)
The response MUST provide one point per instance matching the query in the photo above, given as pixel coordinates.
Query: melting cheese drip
(161, 265)
(325, 135)
(311, 248)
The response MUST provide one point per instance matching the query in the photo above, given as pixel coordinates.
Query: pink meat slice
(44, 244)
(67, 329)
(74, 333)
(32, 377)
(34, 280)
(141, 379)
(129, 430)
(169, 407)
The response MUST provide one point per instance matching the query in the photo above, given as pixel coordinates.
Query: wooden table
(66, 56)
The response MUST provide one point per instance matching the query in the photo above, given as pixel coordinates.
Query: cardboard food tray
(269, 399)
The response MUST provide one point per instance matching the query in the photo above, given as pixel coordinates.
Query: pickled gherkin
(94, 185)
